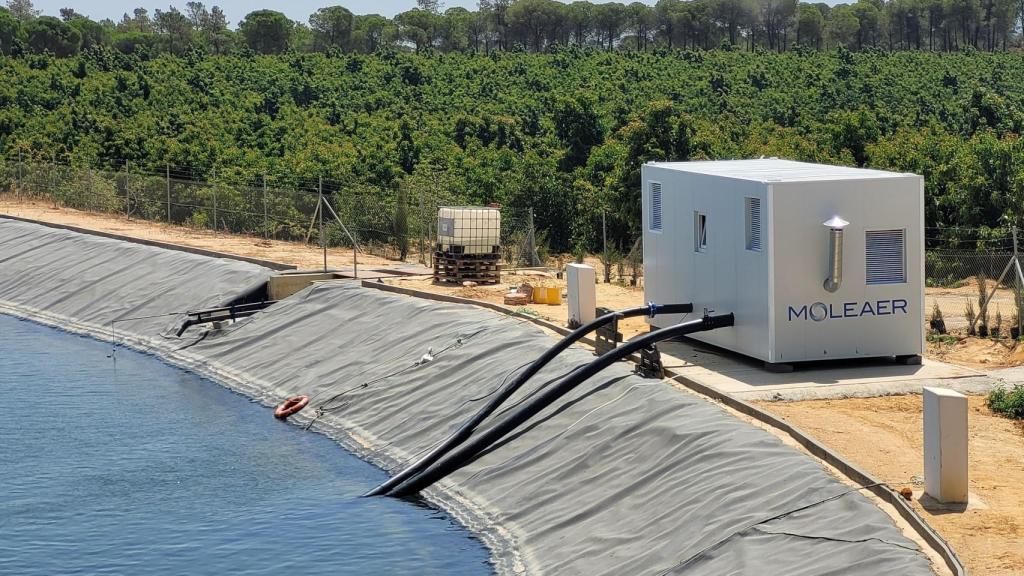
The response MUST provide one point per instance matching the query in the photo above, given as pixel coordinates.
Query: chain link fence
(976, 292)
(399, 225)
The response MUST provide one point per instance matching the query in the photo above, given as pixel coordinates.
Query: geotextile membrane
(622, 476)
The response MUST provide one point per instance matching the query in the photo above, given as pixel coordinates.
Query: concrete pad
(746, 378)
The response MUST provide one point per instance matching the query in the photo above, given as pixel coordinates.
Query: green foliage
(1008, 402)
(942, 338)
(267, 31)
(564, 132)
(49, 34)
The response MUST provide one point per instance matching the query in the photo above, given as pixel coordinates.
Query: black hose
(472, 450)
(464, 431)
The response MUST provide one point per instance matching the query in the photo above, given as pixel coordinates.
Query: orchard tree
(578, 126)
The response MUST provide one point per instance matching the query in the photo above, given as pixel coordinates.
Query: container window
(753, 210)
(886, 256)
(655, 207)
(700, 232)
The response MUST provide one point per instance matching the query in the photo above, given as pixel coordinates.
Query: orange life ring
(291, 406)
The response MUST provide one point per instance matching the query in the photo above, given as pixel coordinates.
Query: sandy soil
(953, 301)
(612, 296)
(980, 353)
(308, 256)
(884, 436)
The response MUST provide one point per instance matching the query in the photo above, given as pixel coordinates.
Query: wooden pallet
(480, 268)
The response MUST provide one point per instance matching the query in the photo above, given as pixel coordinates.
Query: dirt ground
(612, 296)
(953, 301)
(884, 436)
(308, 256)
(980, 353)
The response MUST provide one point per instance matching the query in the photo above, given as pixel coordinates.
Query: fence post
(167, 167)
(213, 184)
(320, 210)
(20, 193)
(266, 229)
(422, 231)
(127, 193)
(604, 240)
(1019, 284)
(88, 188)
(531, 242)
(53, 179)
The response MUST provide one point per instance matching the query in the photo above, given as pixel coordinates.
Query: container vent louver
(753, 209)
(885, 256)
(656, 206)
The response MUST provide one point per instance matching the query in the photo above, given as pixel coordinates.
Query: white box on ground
(582, 293)
(945, 444)
(816, 262)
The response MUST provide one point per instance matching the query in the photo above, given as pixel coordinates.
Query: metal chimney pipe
(835, 253)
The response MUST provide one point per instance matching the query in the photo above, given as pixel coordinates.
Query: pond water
(137, 467)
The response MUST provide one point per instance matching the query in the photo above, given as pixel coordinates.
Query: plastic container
(555, 296)
(469, 230)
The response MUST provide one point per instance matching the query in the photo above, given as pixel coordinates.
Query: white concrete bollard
(582, 293)
(945, 445)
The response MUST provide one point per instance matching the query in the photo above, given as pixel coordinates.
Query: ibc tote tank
(468, 230)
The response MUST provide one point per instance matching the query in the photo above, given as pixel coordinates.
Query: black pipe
(232, 312)
(464, 432)
(472, 450)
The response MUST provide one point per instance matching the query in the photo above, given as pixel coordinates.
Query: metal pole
(320, 209)
(422, 233)
(53, 179)
(19, 173)
(355, 246)
(1019, 283)
(266, 229)
(532, 240)
(127, 193)
(604, 240)
(214, 183)
(168, 167)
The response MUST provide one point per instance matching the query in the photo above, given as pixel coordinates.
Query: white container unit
(815, 261)
(468, 230)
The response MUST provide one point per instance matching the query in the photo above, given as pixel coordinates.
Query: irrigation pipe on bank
(475, 448)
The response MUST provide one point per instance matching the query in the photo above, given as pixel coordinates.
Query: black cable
(464, 431)
(471, 450)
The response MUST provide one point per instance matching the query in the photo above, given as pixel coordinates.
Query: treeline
(532, 25)
(563, 132)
